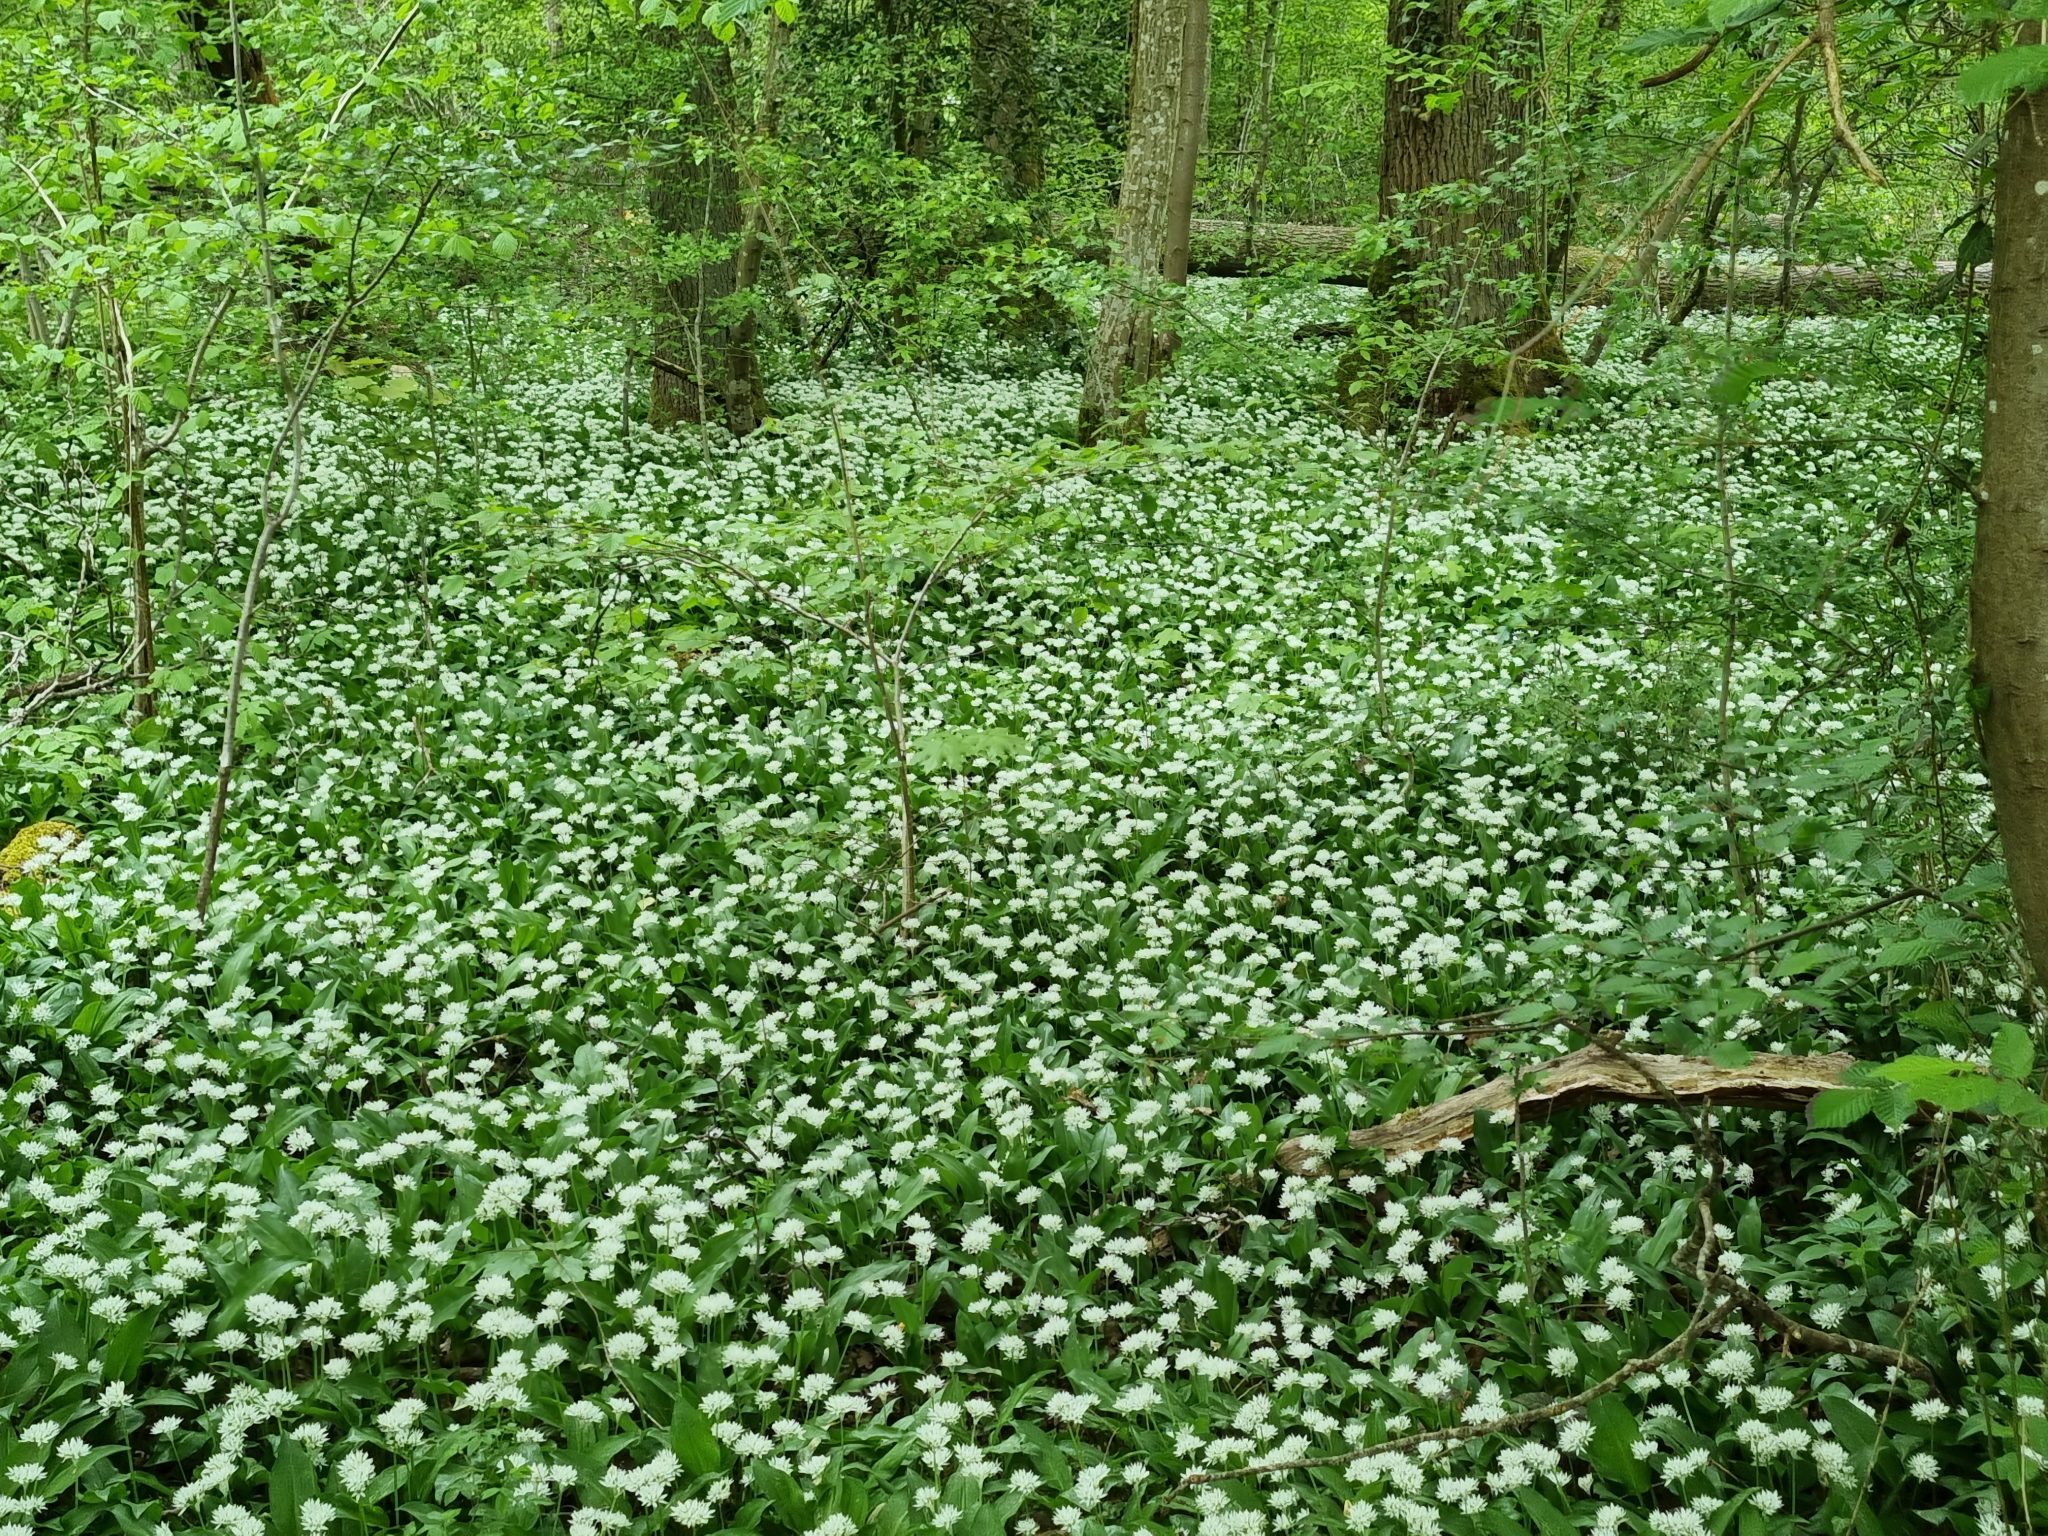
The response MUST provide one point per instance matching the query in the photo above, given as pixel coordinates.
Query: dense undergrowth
(557, 1123)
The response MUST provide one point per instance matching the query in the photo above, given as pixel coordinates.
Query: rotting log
(1224, 248)
(1594, 1075)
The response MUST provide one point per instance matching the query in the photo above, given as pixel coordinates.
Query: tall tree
(2009, 582)
(705, 366)
(1002, 102)
(1153, 208)
(1446, 167)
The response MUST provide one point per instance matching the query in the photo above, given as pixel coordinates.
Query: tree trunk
(218, 50)
(1255, 122)
(913, 95)
(1002, 105)
(705, 369)
(1124, 355)
(2009, 581)
(1474, 266)
(1478, 225)
(1191, 127)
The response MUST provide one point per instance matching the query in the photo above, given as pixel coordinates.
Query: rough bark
(1473, 266)
(705, 369)
(1123, 353)
(1002, 103)
(2009, 582)
(1472, 221)
(1596, 1075)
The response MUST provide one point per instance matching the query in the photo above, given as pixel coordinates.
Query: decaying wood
(1223, 248)
(1596, 1075)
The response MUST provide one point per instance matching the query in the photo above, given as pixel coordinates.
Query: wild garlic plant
(541, 1133)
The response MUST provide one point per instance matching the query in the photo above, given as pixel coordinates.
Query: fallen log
(1223, 248)
(1593, 1075)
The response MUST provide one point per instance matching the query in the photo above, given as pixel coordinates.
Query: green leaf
(1989, 81)
(2012, 1053)
(1834, 1108)
(955, 747)
(1894, 1106)
(1914, 1070)
(1963, 1091)
(292, 1482)
(1725, 15)
(1731, 1053)
(1659, 38)
(1548, 1518)
(690, 1437)
(1735, 382)
(504, 245)
(1611, 1448)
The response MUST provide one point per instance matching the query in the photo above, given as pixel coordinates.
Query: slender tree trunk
(134, 508)
(1002, 103)
(1190, 128)
(705, 369)
(745, 362)
(2009, 582)
(1255, 126)
(1124, 355)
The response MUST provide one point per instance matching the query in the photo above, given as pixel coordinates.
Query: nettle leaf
(2012, 1053)
(1989, 81)
(1834, 1108)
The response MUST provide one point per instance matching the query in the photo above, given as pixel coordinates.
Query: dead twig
(1817, 1340)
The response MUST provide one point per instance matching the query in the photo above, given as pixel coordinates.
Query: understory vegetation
(555, 1118)
(687, 867)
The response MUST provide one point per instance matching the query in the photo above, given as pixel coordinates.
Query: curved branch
(1672, 76)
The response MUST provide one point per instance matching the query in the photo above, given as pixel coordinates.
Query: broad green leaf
(1725, 15)
(292, 1482)
(2012, 1053)
(1834, 1108)
(1611, 1450)
(1989, 81)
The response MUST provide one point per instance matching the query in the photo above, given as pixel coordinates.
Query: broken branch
(1595, 1074)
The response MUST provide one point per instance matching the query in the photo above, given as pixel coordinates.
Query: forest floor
(558, 1120)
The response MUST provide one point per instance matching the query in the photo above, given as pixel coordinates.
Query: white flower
(355, 1471)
